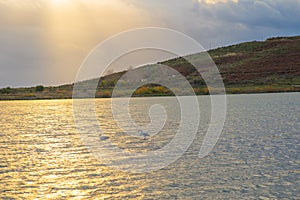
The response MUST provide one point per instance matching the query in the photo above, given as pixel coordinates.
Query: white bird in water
(143, 134)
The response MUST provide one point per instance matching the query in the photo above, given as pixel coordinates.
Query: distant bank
(266, 66)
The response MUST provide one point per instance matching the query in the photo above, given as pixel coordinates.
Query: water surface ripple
(257, 156)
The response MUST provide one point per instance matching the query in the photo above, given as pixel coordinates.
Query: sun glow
(59, 2)
(73, 27)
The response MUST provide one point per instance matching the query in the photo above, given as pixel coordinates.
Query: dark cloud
(229, 22)
(273, 14)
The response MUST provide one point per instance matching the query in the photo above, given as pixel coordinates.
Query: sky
(44, 42)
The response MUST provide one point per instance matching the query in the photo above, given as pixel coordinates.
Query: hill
(272, 65)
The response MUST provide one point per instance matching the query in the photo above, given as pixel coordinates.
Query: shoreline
(157, 95)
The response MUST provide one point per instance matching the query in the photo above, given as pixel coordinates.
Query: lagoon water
(257, 156)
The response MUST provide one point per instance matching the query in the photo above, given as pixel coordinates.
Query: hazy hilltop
(272, 65)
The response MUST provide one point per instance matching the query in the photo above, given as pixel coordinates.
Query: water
(257, 156)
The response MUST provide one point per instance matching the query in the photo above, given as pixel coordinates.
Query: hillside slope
(272, 65)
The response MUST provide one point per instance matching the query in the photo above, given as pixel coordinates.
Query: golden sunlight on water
(42, 156)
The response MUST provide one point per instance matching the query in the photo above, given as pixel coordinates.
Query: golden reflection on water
(42, 156)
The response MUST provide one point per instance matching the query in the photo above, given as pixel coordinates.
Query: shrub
(106, 94)
(143, 90)
(103, 83)
(39, 88)
(160, 90)
(5, 90)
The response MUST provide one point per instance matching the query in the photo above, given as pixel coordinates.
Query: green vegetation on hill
(251, 67)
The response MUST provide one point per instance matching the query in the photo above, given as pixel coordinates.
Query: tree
(5, 90)
(39, 88)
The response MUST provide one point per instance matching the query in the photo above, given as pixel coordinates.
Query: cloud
(44, 43)
(221, 22)
(274, 14)
(216, 1)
